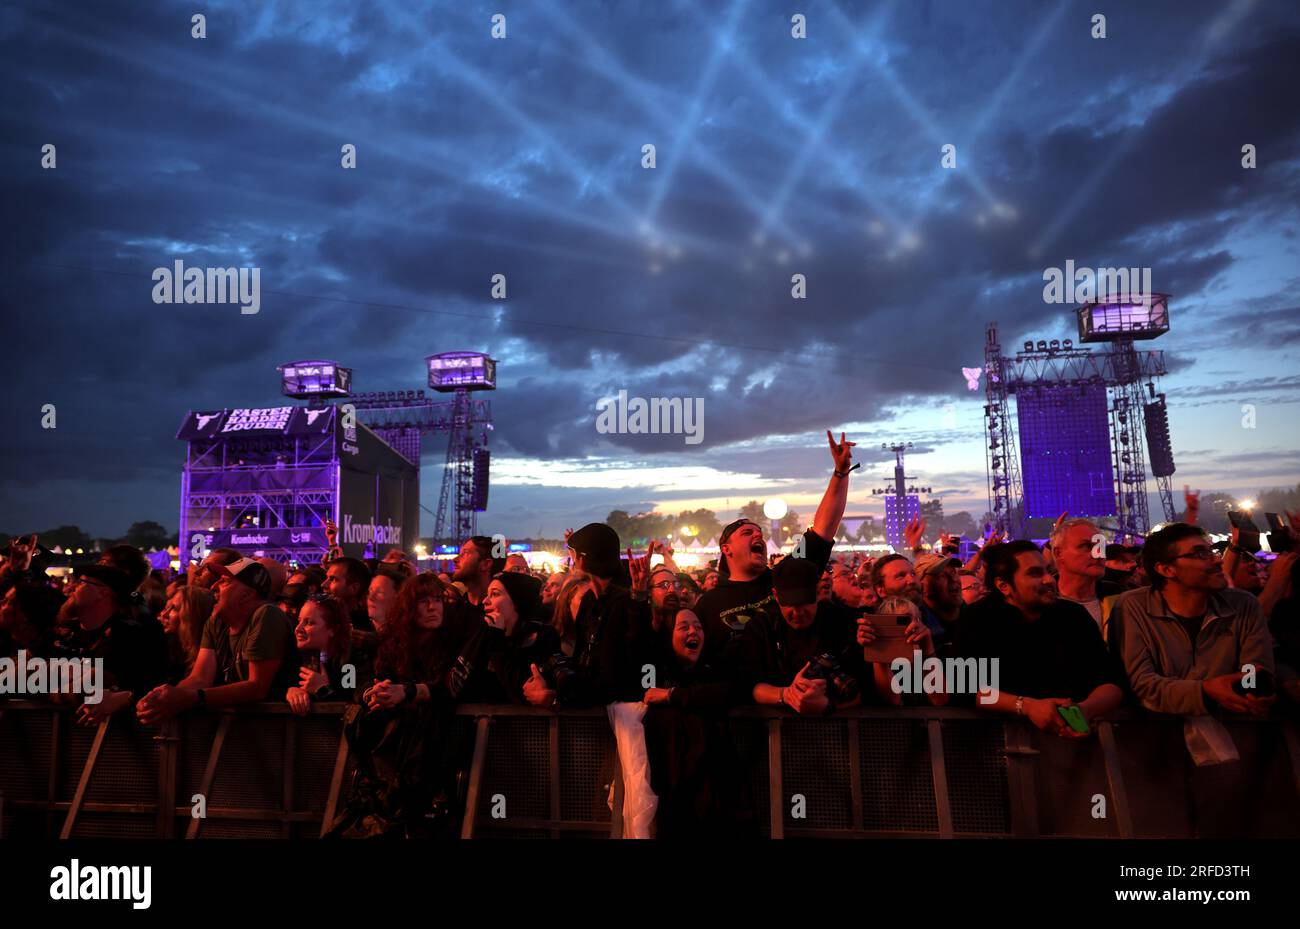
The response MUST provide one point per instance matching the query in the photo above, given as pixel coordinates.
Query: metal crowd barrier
(265, 773)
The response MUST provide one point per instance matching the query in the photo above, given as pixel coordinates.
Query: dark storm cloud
(522, 158)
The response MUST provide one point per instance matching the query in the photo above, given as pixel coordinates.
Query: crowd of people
(1077, 628)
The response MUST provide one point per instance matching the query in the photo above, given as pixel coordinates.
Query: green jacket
(1165, 670)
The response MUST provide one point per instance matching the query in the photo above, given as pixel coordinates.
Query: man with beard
(247, 653)
(103, 625)
(1049, 652)
(475, 568)
(745, 588)
(665, 600)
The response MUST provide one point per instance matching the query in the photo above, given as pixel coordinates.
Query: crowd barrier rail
(262, 772)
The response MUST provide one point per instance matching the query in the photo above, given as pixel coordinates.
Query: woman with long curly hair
(418, 643)
(407, 740)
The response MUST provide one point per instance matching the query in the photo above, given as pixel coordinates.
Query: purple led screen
(897, 517)
(1065, 451)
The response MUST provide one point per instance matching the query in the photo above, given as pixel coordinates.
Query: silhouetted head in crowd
(664, 599)
(206, 574)
(595, 550)
(424, 627)
(940, 587)
(243, 587)
(1180, 556)
(688, 637)
(512, 600)
(551, 589)
(894, 576)
(743, 551)
(129, 560)
(972, 587)
(844, 585)
(710, 580)
(346, 580)
(1018, 572)
(688, 592)
(324, 626)
(279, 575)
(27, 614)
(516, 563)
(382, 594)
(568, 603)
(95, 594)
(186, 613)
(476, 566)
(794, 582)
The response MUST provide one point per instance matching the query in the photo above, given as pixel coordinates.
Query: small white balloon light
(774, 508)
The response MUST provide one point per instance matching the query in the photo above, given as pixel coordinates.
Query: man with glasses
(1195, 647)
(665, 598)
(104, 626)
(1188, 640)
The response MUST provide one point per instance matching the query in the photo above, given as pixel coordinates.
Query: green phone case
(1074, 717)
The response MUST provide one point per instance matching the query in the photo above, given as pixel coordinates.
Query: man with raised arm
(744, 587)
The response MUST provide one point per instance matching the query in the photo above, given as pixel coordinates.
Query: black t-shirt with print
(725, 610)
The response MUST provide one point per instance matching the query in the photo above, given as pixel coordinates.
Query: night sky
(522, 156)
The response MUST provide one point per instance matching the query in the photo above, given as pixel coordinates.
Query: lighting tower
(902, 502)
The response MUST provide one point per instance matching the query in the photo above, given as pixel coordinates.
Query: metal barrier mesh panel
(586, 768)
(197, 733)
(127, 768)
(112, 826)
(240, 829)
(815, 763)
(516, 768)
(313, 761)
(25, 739)
(250, 773)
(897, 781)
(74, 749)
(750, 738)
(977, 776)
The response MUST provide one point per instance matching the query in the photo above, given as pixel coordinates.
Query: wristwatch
(201, 697)
(410, 694)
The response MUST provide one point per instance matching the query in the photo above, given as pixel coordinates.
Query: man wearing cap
(612, 629)
(941, 602)
(247, 653)
(777, 653)
(744, 587)
(130, 642)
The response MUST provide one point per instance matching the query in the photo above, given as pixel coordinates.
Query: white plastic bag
(639, 801)
(1208, 741)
